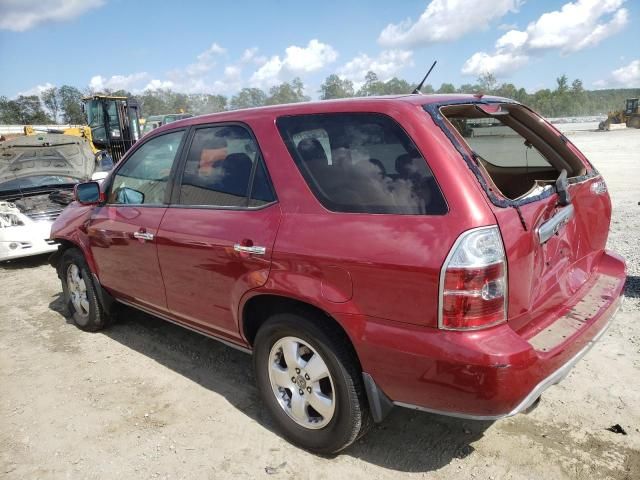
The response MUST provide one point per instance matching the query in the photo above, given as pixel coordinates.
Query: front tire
(81, 297)
(310, 381)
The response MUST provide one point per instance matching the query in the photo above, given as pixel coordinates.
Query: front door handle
(254, 249)
(143, 236)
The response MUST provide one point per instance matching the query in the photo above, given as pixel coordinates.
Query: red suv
(444, 253)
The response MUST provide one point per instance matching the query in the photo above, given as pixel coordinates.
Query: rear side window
(361, 163)
(224, 169)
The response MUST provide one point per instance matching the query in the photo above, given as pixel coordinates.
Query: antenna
(417, 89)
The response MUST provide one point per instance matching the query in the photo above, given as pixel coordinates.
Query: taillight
(473, 281)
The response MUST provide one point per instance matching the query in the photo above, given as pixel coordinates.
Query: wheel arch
(66, 244)
(259, 307)
(106, 300)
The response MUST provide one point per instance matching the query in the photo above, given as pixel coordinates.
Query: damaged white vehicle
(37, 176)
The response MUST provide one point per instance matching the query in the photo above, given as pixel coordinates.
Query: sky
(219, 47)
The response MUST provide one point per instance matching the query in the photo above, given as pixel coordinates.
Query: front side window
(361, 163)
(224, 169)
(143, 178)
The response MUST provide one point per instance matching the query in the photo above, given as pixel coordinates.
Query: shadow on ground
(25, 262)
(632, 286)
(407, 441)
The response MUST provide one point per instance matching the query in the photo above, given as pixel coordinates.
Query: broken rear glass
(513, 148)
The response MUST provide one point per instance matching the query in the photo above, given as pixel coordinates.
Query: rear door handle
(143, 236)
(255, 250)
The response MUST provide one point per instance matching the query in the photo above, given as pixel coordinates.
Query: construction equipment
(629, 116)
(113, 125)
(155, 121)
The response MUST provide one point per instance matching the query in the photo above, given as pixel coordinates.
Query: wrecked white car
(37, 176)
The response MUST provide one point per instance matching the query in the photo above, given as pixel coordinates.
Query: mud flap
(379, 404)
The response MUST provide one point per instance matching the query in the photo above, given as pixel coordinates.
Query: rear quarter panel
(384, 266)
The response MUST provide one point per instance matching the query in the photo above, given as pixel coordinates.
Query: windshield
(95, 117)
(37, 181)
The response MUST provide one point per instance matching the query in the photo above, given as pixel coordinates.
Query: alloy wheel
(302, 383)
(77, 290)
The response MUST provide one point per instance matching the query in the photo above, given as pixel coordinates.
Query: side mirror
(87, 193)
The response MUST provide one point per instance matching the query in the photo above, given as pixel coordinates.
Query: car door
(122, 233)
(216, 238)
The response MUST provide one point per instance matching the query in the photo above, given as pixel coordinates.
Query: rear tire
(311, 383)
(634, 121)
(80, 294)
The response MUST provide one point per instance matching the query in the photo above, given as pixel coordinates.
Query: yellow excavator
(629, 116)
(113, 125)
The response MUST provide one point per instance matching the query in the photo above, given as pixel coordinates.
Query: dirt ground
(147, 399)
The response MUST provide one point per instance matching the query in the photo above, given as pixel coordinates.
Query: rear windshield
(513, 148)
(361, 163)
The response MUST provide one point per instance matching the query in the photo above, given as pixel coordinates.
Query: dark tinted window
(361, 163)
(220, 165)
(261, 192)
(143, 177)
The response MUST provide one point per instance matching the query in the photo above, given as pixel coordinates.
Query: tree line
(64, 104)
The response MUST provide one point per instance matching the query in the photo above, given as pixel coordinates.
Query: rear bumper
(528, 401)
(487, 374)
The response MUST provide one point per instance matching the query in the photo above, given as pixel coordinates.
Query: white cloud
(117, 82)
(576, 26)
(195, 77)
(627, 76)
(250, 55)
(156, 84)
(205, 61)
(232, 71)
(498, 64)
(445, 20)
(230, 82)
(512, 40)
(207, 74)
(296, 61)
(387, 64)
(21, 15)
(37, 90)
(310, 58)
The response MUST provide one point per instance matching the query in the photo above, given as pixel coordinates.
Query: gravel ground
(147, 399)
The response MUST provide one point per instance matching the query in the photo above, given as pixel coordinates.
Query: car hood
(46, 154)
